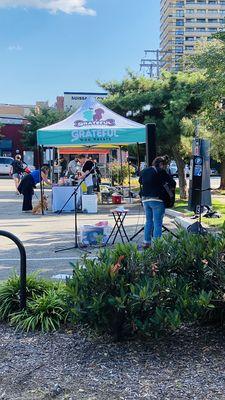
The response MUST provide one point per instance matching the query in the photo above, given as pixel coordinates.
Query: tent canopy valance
(92, 124)
(82, 150)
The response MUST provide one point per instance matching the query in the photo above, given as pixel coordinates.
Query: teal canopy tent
(92, 124)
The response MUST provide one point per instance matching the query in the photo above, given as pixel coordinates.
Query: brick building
(11, 128)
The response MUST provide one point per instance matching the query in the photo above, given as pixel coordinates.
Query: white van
(5, 165)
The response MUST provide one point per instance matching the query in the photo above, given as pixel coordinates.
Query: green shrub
(10, 292)
(120, 174)
(45, 312)
(125, 291)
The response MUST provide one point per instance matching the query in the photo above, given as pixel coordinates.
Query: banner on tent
(90, 137)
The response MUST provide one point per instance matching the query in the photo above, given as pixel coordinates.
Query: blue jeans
(154, 211)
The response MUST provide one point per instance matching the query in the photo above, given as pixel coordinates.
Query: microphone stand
(76, 246)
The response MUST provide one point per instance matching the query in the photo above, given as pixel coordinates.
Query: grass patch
(218, 205)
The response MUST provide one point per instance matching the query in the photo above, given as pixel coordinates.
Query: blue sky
(66, 45)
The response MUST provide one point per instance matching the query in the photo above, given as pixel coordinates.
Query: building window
(179, 22)
(201, 20)
(179, 40)
(179, 32)
(178, 49)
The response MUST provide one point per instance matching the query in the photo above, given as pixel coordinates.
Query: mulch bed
(74, 365)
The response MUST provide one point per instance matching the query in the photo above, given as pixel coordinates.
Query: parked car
(5, 165)
(214, 172)
(173, 169)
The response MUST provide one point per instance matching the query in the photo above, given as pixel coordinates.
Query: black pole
(150, 143)
(41, 183)
(129, 184)
(23, 266)
(138, 158)
(121, 166)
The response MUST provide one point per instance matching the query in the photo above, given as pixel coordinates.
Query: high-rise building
(185, 22)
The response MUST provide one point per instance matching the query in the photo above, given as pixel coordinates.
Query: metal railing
(23, 266)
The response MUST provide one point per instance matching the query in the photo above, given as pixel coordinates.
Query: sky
(51, 46)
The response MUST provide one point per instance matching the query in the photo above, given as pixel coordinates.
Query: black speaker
(196, 228)
(150, 143)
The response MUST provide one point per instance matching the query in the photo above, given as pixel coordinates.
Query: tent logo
(94, 117)
(102, 135)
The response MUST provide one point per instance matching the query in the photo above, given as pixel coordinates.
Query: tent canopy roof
(92, 124)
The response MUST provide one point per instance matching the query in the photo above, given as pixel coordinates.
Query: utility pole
(152, 62)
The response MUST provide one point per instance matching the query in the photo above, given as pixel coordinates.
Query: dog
(41, 204)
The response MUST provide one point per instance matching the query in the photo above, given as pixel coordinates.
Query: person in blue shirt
(28, 183)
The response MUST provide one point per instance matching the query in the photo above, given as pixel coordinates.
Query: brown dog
(38, 208)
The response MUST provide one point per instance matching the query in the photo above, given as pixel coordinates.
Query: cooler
(116, 198)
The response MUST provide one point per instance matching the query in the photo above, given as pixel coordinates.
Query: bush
(124, 292)
(119, 175)
(45, 312)
(46, 304)
(10, 293)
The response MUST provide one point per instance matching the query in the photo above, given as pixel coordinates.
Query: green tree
(209, 58)
(174, 100)
(38, 120)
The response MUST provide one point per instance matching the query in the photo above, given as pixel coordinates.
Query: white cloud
(15, 47)
(66, 6)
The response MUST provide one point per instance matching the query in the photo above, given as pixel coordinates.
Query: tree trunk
(222, 183)
(181, 175)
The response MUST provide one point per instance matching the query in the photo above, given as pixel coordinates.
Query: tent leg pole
(58, 164)
(53, 162)
(40, 154)
(138, 158)
(121, 168)
(129, 184)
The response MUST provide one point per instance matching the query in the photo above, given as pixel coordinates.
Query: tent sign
(93, 135)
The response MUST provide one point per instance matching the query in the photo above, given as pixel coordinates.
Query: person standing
(16, 171)
(72, 167)
(28, 183)
(87, 168)
(152, 180)
(63, 165)
(96, 176)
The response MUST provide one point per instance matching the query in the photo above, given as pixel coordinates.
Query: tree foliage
(37, 120)
(209, 58)
(174, 100)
